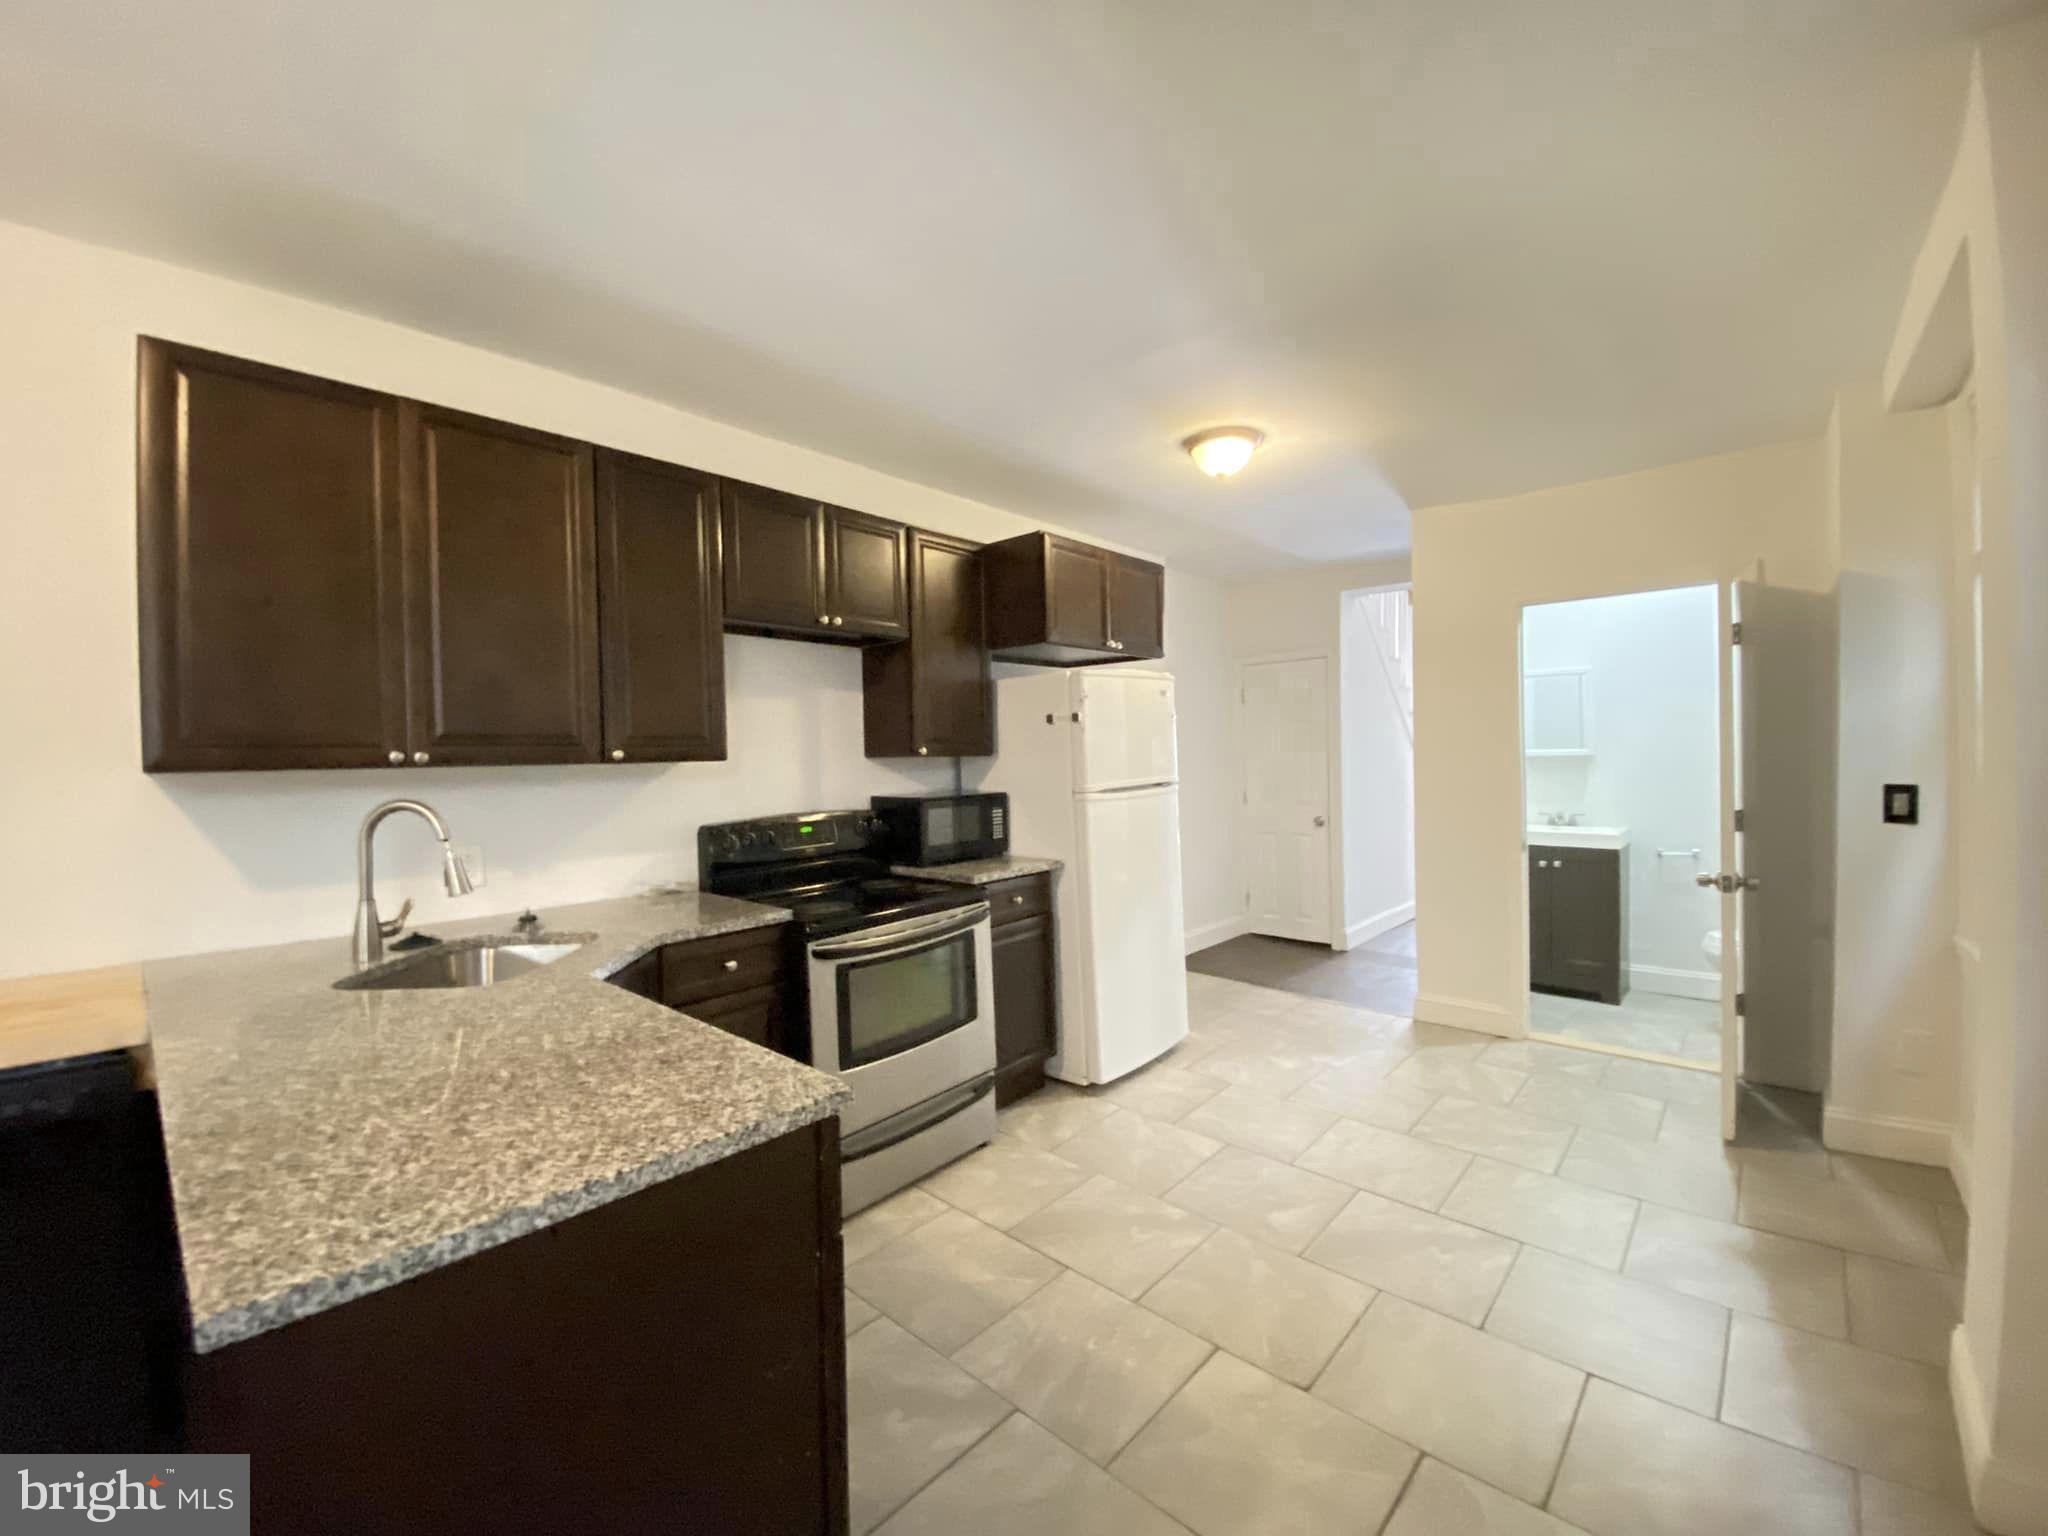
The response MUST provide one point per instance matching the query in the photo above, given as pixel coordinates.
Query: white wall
(1476, 566)
(1652, 663)
(1300, 614)
(1378, 773)
(106, 864)
(1895, 1053)
(1978, 298)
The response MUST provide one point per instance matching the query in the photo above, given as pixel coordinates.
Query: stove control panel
(771, 839)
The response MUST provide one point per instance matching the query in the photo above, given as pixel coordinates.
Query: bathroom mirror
(1554, 714)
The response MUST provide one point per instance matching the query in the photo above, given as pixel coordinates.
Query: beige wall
(1476, 566)
(104, 863)
(1978, 299)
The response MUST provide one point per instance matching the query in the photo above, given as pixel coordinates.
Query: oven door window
(904, 998)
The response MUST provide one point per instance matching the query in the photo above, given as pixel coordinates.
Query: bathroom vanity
(1578, 911)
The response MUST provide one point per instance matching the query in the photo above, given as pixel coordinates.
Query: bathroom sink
(1578, 837)
(470, 964)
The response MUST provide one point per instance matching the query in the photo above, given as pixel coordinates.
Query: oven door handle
(941, 927)
(907, 1123)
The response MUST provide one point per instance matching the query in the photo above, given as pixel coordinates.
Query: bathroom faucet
(372, 931)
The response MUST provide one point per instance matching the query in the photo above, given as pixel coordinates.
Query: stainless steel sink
(472, 965)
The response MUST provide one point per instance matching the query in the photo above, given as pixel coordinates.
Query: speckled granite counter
(325, 1144)
(981, 871)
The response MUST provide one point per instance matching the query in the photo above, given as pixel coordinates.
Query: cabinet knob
(421, 758)
(924, 751)
(732, 965)
(1016, 901)
(838, 620)
(394, 757)
(618, 754)
(824, 618)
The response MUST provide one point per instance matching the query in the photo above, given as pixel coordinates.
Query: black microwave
(945, 829)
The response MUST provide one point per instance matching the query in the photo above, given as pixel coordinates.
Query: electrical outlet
(472, 856)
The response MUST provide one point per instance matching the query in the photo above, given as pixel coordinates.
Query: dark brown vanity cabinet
(932, 695)
(661, 611)
(1026, 983)
(502, 592)
(1058, 602)
(1578, 921)
(271, 567)
(336, 578)
(797, 567)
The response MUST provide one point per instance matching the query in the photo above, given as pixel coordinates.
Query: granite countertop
(981, 871)
(324, 1144)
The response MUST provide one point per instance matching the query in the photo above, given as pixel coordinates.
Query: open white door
(1777, 838)
(1285, 741)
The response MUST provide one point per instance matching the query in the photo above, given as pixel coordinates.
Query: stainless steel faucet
(372, 931)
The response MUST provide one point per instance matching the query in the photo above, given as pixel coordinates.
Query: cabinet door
(952, 699)
(269, 555)
(1026, 1027)
(1137, 601)
(774, 560)
(661, 611)
(1542, 973)
(1076, 594)
(502, 592)
(1585, 920)
(865, 571)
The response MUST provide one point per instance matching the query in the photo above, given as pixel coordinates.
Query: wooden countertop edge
(71, 1013)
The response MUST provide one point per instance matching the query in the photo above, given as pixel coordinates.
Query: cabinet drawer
(731, 962)
(1012, 900)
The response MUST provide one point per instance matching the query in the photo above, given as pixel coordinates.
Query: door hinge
(1247, 900)
(1735, 632)
(1738, 821)
(1741, 1005)
(1243, 697)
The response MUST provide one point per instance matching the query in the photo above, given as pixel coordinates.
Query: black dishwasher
(91, 1299)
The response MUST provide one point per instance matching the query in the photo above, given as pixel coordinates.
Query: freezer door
(1126, 732)
(1131, 942)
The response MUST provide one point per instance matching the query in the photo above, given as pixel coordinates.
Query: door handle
(1727, 885)
(1319, 821)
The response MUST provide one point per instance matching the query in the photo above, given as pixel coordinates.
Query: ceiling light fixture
(1222, 451)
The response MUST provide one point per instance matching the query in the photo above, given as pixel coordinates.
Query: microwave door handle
(899, 938)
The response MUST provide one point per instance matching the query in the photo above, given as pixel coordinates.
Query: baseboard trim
(2010, 1500)
(1895, 1136)
(1211, 934)
(1673, 982)
(1464, 1013)
(1379, 923)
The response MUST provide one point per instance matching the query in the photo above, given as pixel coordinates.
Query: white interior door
(1777, 857)
(1284, 738)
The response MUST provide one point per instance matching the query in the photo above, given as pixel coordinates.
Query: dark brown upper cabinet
(661, 611)
(270, 565)
(774, 561)
(796, 567)
(502, 625)
(931, 696)
(866, 580)
(1061, 603)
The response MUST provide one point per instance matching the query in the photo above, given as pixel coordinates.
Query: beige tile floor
(1681, 1027)
(1325, 1270)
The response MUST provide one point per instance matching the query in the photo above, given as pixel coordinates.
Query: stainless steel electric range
(900, 988)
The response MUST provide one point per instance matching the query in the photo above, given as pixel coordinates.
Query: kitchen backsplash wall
(105, 864)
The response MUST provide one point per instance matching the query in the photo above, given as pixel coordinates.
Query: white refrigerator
(1088, 759)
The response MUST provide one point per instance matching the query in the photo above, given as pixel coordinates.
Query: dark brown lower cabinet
(745, 983)
(1578, 922)
(1026, 983)
(671, 1362)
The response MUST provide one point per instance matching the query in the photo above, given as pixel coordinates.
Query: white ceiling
(1019, 248)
